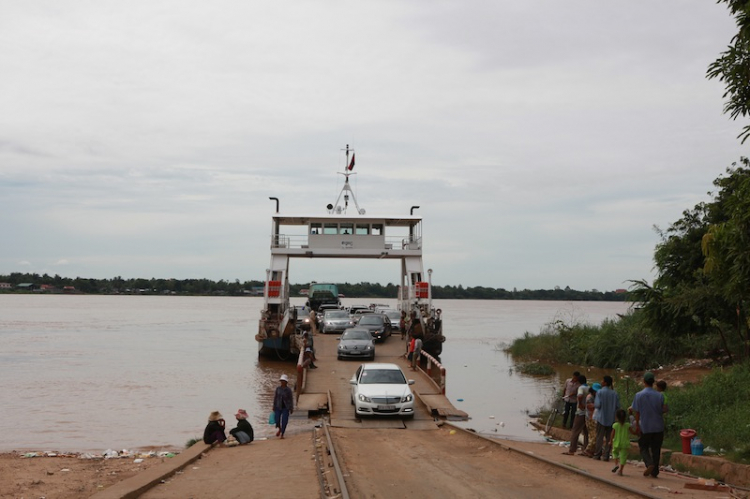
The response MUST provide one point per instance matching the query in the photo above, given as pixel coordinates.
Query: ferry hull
(277, 348)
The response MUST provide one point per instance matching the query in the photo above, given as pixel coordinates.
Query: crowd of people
(594, 412)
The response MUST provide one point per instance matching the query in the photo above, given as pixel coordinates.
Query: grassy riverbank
(716, 407)
(625, 343)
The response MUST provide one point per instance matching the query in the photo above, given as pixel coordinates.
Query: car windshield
(382, 376)
(336, 314)
(371, 320)
(394, 316)
(356, 334)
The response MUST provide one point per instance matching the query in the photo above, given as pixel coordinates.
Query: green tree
(726, 246)
(733, 66)
(703, 272)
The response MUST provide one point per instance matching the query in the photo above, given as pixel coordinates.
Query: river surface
(90, 373)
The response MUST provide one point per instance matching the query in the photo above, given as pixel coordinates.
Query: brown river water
(90, 373)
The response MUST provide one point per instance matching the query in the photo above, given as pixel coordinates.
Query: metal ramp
(438, 405)
(313, 402)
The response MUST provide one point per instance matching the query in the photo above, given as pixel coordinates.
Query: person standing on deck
(649, 409)
(309, 351)
(416, 353)
(283, 404)
(569, 396)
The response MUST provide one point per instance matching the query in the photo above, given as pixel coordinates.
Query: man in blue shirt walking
(649, 409)
(606, 404)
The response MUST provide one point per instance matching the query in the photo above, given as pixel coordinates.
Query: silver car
(335, 321)
(356, 343)
(381, 389)
(395, 317)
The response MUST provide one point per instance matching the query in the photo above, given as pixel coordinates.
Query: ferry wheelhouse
(343, 234)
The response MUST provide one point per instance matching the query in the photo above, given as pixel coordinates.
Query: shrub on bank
(536, 369)
(717, 408)
(624, 343)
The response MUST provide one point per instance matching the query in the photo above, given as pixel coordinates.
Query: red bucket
(687, 436)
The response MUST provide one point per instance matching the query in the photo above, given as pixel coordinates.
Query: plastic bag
(272, 418)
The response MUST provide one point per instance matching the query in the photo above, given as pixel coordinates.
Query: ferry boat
(346, 231)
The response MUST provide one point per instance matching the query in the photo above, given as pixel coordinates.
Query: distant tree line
(119, 285)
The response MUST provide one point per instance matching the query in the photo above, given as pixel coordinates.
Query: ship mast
(346, 190)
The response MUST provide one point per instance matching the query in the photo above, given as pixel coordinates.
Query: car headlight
(341, 347)
(408, 398)
(368, 347)
(362, 398)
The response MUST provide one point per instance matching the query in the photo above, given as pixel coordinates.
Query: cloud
(542, 141)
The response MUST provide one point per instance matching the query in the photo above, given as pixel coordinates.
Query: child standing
(621, 432)
(661, 387)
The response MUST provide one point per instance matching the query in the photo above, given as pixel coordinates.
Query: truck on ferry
(322, 294)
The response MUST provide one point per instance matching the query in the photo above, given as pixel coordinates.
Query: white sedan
(381, 389)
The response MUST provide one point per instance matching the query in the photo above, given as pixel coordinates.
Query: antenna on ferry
(346, 190)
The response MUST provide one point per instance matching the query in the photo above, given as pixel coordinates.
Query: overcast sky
(542, 140)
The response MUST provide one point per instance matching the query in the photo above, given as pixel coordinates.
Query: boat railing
(302, 241)
(299, 387)
(435, 371)
(290, 242)
(403, 243)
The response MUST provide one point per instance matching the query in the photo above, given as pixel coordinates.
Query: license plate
(386, 407)
(355, 352)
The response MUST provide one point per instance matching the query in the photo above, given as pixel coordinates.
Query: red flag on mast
(351, 164)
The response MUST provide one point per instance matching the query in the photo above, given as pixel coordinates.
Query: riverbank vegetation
(697, 307)
(624, 343)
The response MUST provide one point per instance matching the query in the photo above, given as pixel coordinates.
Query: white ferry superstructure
(341, 234)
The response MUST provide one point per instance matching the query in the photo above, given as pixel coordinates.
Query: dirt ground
(63, 477)
(690, 372)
